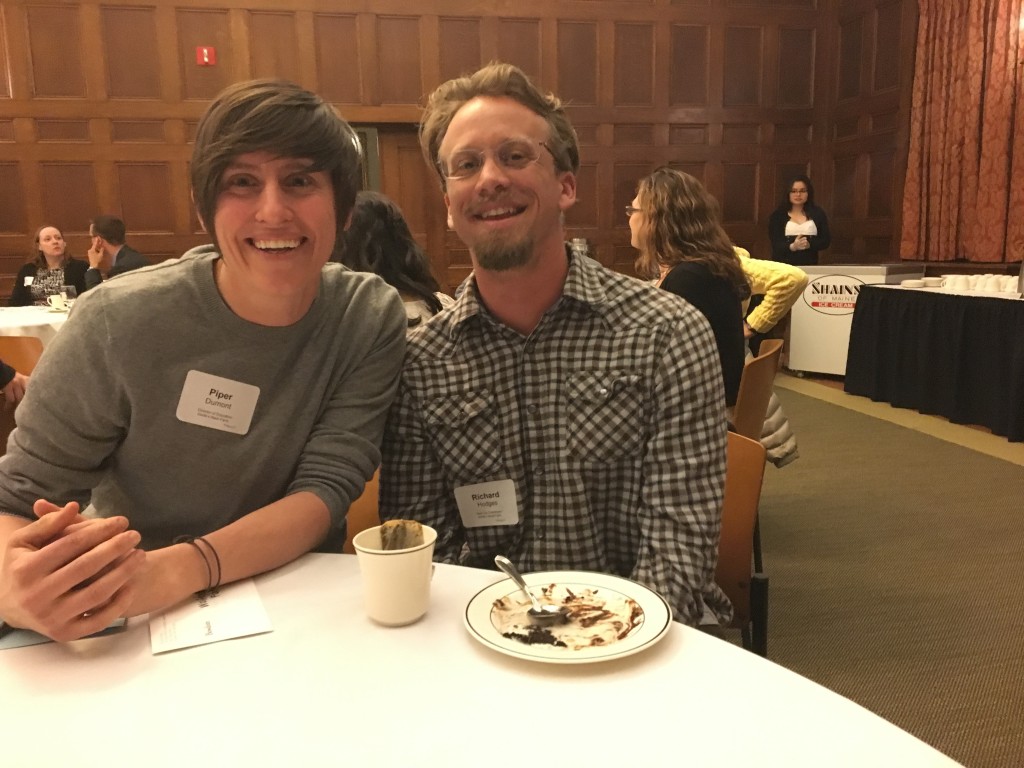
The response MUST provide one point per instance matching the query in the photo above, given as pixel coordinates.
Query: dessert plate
(610, 618)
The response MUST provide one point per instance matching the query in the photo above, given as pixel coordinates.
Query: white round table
(328, 687)
(31, 321)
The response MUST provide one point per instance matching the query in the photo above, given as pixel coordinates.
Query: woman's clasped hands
(65, 576)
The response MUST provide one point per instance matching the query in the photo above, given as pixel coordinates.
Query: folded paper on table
(233, 611)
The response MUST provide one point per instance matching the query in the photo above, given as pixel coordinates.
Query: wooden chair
(756, 389)
(752, 406)
(21, 353)
(746, 588)
(362, 514)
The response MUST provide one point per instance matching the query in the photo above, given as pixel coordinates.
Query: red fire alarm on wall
(206, 55)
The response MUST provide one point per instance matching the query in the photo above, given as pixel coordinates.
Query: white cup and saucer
(57, 302)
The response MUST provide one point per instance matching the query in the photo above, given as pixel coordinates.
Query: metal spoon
(539, 614)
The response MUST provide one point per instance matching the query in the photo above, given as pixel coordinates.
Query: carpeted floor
(897, 578)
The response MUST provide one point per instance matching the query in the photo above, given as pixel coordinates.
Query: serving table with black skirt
(958, 355)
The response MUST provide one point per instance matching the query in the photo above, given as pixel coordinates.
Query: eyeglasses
(798, 191)
(512, 155)
(630, 210)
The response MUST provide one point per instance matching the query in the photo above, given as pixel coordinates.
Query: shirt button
(602, 391)
(538, 470)
(540, 533)
(532, 409)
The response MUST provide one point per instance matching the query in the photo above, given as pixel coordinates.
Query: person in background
(378, 240)
(108, 255)
(779, 286)
(797, 228)
(585, 404)
(48, 273)
(674, 223)
(13, 384)
(235, 397)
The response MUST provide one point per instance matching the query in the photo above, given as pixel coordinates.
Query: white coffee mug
(396, 582)
(57, 301)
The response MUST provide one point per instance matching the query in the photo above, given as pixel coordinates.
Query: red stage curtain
(964, 191)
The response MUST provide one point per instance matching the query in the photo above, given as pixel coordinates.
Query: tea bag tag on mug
(492, 503)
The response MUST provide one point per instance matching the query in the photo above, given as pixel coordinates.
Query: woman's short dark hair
(682, 223)
(785, 204)
(378, 240)
(282, 118)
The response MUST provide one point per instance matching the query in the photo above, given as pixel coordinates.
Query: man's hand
(95, 254)
(15, 389)
(66, 577)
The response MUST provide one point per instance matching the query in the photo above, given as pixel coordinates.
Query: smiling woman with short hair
(221, 410)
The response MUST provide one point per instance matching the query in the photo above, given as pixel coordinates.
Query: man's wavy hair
(497, 80)
(681, 223)
(284, 119)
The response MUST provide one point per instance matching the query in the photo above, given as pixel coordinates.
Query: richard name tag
(491, 503)
(211, 401)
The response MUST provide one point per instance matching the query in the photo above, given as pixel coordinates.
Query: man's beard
(501, 256)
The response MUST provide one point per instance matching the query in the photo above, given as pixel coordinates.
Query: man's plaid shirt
(609, 418)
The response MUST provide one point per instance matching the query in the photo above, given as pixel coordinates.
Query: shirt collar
(582, 285)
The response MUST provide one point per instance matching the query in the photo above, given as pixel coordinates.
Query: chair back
(756, 389)
(362, 513)
(744, 471)
(21, 353)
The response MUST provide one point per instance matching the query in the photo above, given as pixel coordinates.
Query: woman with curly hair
(675, 225)
(378, 240)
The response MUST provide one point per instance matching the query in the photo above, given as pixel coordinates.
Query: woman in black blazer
(49, 271)
(798, 229)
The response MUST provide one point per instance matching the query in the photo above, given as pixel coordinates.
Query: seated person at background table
(582, 408)
(378, 240)
(797, 228)
(237, 394)
(13, 384)
(108, 255)
(47, 273)
(674, 223)
(779, 286)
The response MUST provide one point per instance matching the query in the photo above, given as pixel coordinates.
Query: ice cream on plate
(596, 617)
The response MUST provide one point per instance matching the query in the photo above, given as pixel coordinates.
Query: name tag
(217, 403)
(492, 503)
(29, 279)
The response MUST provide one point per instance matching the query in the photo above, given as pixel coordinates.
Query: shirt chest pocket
(466, 434)
(604, 415)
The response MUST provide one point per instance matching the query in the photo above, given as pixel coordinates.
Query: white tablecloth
(328, 687)
(31, 321)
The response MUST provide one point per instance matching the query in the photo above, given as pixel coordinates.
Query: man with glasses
(560, 414)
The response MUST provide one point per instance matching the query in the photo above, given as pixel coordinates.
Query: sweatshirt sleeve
(781, 285)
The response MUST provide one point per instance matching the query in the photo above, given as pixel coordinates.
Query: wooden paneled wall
(99, 101)
(869, 126)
